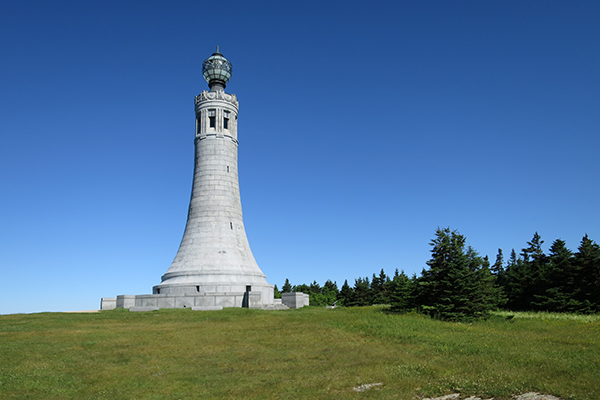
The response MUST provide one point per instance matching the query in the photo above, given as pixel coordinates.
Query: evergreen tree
(287, 288)
(457, 285)
(345, 295)
(315, 288)
(389, 286)
(514, 281)
(330, 292)
(587, 279)
(276, 292)
(361, 295)
(304, 288)
(402, 292)
(314, 292)
(534, 252)
(498, 267)
(323, 296)
(486, 293)
(331, 286)
(499, 273)
(557, 280)
(536, 263)
(378, 288)
(439, 295)
(523, 279)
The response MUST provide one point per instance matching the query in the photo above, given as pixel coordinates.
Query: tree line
(459, 284)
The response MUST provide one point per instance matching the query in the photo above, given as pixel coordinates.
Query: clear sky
(363, 126)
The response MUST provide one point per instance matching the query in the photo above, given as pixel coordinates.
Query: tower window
(212, 118)
(225, 119)
(231, 225)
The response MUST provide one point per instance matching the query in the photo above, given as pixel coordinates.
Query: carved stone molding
(219, 95)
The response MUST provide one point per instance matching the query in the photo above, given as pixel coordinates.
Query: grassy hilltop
(298, 354)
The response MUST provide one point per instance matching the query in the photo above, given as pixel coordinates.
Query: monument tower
(214, 266)
(214, 255)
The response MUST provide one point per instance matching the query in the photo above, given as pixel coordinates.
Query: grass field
(297, 354)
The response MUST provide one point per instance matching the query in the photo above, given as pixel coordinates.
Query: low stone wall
(201, 300)
(206, 301)
(295, 299)
(108, 303)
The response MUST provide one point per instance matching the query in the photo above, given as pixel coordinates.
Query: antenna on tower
(217, 48)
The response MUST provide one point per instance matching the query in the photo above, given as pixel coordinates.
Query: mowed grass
(297, 354)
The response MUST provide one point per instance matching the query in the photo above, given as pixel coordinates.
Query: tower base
(205, 301)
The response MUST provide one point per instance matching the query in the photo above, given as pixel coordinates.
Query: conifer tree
(304, 288)
(276, 292)
(514, 282)
(498, 267)
(315, 294)
(535, 265)
(315, 288)
(361, 295)
(378, 289)
(287, 287)
(345, 295)
(456, 286)
(402, 292)
(558, 281)
(330, 292)
(587, 265)
(487, 294)
(534, 252)
(441, 293)
(389, 287)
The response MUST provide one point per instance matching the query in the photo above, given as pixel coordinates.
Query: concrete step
(273, 307)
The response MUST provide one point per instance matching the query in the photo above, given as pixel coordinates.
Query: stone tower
(214, 255)
(214, 266)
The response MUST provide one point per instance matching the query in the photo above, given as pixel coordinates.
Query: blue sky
(363, 127)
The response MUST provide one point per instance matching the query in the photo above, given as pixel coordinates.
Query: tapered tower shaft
(214, 255)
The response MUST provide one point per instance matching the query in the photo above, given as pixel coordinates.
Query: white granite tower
(214, 266)
(214, 255)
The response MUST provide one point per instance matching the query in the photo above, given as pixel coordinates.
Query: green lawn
(309, 353)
